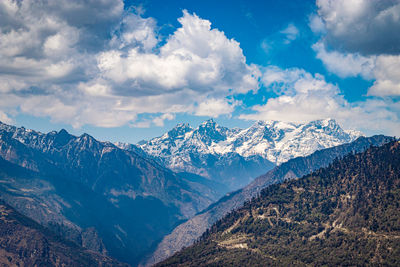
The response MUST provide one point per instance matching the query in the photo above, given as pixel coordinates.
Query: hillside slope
(24, 242)
(93, 193)
(345, 214)
(186, 233)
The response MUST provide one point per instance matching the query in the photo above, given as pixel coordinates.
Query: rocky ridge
(94, 193)
(236, 156)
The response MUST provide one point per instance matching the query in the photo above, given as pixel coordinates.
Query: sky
(131, 70)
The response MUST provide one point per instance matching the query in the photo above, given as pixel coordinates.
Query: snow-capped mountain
(187, 149)
(94, 193)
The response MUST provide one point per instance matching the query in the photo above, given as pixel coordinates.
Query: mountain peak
(86, 136)
(209, 131)
(210, 120)
(63, 132)
(62, 138)
(276, 141)
(182, 125)
(326, 122)
(179, 130)
(208, 123)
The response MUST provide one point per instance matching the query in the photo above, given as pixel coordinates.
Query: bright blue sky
(131, 71)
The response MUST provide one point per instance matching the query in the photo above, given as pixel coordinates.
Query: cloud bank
(105, 65)
(99, 63)
(302, 97)
(363, 39)
(362, 26)
(357, 38)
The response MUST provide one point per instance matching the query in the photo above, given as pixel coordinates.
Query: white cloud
(294, 81)
(387, 74)
(301, 96)
(195, 57)
(316, 24)
(280, 39)
(305, 97)
(159, 121)
(155, 121)
(345, 64)
(362, 26)
(135, 31)
(215, 107)
(363, 37)
(94, 63)
(5, 118)
(291, 33)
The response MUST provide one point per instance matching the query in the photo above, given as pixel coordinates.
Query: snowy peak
(209, 132)
(53, 140)
(280, 141)
(275, 141)
(179, 130)
(327, 126)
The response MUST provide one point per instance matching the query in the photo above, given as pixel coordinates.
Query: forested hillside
(345, 214)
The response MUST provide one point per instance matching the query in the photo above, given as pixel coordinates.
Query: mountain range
(234, 157)
(121, 200)
(188, 232)
(101, 197)
(346, 214)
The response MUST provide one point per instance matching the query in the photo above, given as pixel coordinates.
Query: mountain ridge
(77, 183)
(344, 214)
(186, 233)
(25, 242)
(258, 147)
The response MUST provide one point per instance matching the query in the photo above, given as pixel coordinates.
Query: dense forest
(345, 214)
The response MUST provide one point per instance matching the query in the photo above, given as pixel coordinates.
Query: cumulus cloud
(135, 31)
(387, 74)
(345, 64)
(362, 26)
(301, 96)
(95, 63)
(363, 39)
(195, 57)
(155, 120)
(212, 107)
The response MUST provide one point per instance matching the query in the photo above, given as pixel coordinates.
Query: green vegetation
(345, 214)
